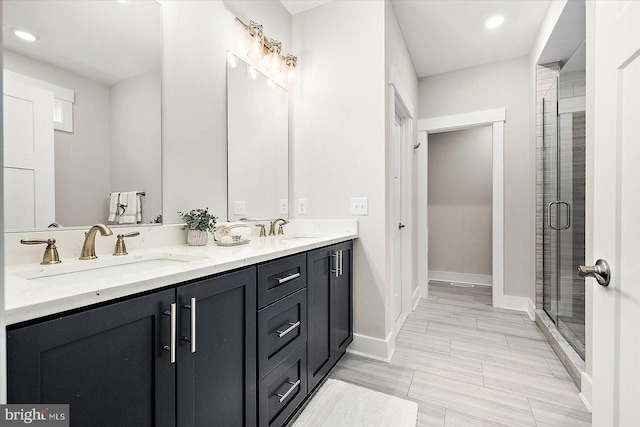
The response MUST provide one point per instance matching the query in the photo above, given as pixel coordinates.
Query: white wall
(460, 201)
(82, 187)
(197, 35)
(136, 139)
(339, 136)
(502, 84)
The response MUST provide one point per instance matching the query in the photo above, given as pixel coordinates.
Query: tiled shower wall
(545, 76)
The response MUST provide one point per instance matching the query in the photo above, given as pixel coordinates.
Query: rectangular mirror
(95, 67)
(258, 144)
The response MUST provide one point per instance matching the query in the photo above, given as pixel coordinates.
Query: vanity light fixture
(25, 35)
(275, 57)
(255, 40)
(268, 54)
(494, 22)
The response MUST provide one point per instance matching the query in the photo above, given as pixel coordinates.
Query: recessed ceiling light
(494, 21)
(25, 35)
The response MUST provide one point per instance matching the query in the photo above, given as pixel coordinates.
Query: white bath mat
(341, 404)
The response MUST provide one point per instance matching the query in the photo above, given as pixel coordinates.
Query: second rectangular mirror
(258, 144)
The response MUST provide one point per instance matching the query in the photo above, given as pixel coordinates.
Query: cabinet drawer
(282, 328)
(283, 390)
(280, 278)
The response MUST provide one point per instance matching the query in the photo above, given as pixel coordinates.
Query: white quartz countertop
(28, 299)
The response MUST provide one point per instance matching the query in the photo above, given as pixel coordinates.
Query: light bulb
(494, 21)
(291, 75)
(251, 72)
(232, 60)
(25, 35)
(275, 63)
(255, 47)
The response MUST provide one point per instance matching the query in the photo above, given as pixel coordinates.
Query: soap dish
(238, 243)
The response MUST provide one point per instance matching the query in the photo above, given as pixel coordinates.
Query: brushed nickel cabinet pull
(293, 387)
(289, 329)
(290, 277)
(171, 348)
(192, 339)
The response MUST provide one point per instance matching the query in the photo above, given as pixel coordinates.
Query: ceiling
(105, 41)
(446, 35)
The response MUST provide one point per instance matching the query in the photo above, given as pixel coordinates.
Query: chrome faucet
(89, 245)
(272, 229)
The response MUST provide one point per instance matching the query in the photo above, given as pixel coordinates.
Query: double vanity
(178, 335)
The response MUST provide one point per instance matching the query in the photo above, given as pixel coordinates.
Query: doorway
(401, 294)
(459, 209)
(494, 118)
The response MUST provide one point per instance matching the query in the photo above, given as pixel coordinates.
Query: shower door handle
(600, 272)
(549, 215)
(566, 227)
(568, 223)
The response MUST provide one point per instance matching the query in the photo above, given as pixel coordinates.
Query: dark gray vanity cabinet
(216, 360)
(133, 363)
(329, 308)
(107, 363)
(282, 337)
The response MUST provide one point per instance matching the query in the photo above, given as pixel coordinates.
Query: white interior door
(29, 175)
(616, 308)
(397, 203)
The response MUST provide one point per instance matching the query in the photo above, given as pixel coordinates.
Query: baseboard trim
(415, 298)
(371, 347)
(586, 391)
(511, 302)
(447, 276)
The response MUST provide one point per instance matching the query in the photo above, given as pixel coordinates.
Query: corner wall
(338, 148)
(497, 85)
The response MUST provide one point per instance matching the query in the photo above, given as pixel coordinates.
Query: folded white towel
(114, 211)
(130, 200)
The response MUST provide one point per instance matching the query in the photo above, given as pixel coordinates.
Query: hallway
(468, 364)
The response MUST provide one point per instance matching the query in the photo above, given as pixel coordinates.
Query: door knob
(600, 272)
(400, 226)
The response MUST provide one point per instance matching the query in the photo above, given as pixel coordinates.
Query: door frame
(496, 119)
(400, 103)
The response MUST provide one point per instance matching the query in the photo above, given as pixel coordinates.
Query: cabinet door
(107, 363)
(320, 314)
(343, 300)
(217, 382)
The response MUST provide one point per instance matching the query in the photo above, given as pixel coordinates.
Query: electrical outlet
(302, 206)
(359, 206)
(240, 207)
(284, 206)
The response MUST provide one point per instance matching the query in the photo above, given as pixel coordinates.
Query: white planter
(197, 238)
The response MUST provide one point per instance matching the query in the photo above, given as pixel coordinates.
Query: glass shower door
(564, 198)
(550, 186)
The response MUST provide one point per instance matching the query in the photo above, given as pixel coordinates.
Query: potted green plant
(199, 222)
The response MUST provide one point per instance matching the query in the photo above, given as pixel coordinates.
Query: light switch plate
(284, 206)
(239, 207)
(302, 206)
(359, 206)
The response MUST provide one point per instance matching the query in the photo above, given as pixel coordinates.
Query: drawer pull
(192, 340)
(290, 277)
(289, 329)
(293, 387)
(172, 347)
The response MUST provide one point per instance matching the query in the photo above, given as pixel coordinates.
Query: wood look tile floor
(469, 364)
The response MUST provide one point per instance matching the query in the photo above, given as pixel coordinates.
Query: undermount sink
(106, 267)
